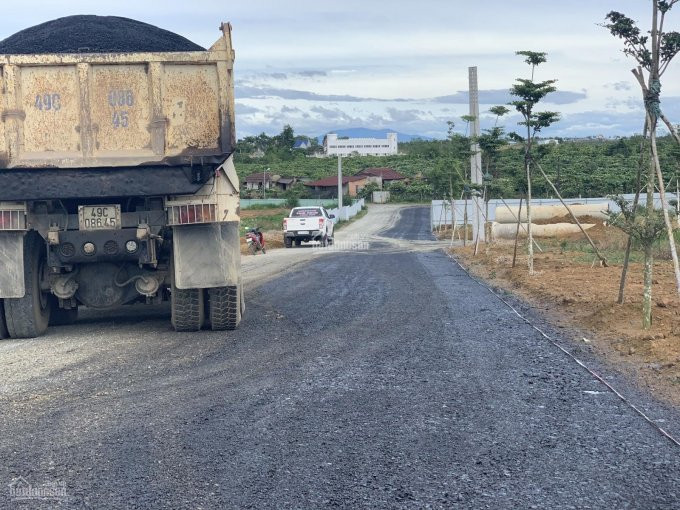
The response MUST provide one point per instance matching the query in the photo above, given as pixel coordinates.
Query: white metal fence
(441, 213)
(347, 211)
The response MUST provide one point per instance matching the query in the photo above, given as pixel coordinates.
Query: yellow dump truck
(117, 186)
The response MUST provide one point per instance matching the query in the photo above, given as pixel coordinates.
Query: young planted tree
(529, 94)
(653, 54)
(490, 143)
(460, 152)
(646, 226)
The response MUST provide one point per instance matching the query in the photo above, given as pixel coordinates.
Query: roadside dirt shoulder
(580, 298)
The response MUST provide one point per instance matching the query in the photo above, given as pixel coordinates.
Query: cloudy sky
(400, 64)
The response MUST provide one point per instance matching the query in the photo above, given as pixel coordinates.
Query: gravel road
(412, 387)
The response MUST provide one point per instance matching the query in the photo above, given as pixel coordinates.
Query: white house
(334, 146)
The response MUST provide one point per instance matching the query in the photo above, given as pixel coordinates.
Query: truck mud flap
(12, 265)
(207, 256)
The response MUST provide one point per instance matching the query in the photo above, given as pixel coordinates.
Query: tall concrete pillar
(476, 158)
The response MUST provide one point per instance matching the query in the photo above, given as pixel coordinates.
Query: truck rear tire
(288, 242)
(298, 242)
(29, 316)
(187, 306)
(3, 326)
(188, 309)
(224, 308)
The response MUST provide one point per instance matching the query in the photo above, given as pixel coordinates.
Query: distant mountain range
(374, 133)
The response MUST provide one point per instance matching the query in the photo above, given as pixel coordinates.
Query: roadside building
(328, 187)
(335, 146)
(381, 175)
(284, 183)
(258, 180)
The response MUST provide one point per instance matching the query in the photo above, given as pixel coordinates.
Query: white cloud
(388, 49)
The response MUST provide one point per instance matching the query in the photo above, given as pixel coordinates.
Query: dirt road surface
(376, 374)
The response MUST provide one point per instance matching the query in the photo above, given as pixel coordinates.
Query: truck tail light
(191, 214)
(285, 223)
(320, 222)
(12, 219)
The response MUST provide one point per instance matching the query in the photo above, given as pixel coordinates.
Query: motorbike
(255, 241)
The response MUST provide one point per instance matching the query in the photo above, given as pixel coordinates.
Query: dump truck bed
(117, 109)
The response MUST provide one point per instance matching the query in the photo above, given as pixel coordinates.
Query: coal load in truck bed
(94, 34)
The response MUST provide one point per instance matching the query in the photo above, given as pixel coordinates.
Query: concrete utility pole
(476, 158)
(339, 181)
(264, 183)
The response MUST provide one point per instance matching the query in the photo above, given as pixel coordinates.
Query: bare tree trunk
(453, 219)
(629, 244)
(573, 216)
(530, 236)
(465, 223)
(441, 211)
(671, 127)
(624, 272)
(664, 204)
(486, 216)
(519, 222)
(518, 218)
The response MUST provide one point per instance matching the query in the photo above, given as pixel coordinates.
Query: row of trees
(275, 148)
(577, 168)
(646, 224)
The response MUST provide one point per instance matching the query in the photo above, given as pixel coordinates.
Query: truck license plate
(303, 231)
(99, 217)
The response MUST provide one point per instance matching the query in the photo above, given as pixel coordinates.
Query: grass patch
(257, 207)
(265, 219)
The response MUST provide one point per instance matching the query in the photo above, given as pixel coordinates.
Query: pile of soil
(568, 219)
(94, 34)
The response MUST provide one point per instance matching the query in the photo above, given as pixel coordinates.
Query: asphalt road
(379, 377)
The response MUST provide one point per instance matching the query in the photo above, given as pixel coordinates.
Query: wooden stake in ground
(477, 236)
(603, 260)
(538, 247)
(651, 120)
(465, 222)
(664, 205)
(453, 219)
(629, 244)
(519, 222)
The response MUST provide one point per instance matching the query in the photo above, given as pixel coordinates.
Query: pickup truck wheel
(3, 326)
(29, 316)
(324, 241)
(62, 316)
(298, 242)
(287, 242)
(224, 308)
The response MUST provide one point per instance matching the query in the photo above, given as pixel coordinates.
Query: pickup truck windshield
(306, 212)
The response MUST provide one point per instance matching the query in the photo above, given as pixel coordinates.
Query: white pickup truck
(308, 224)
